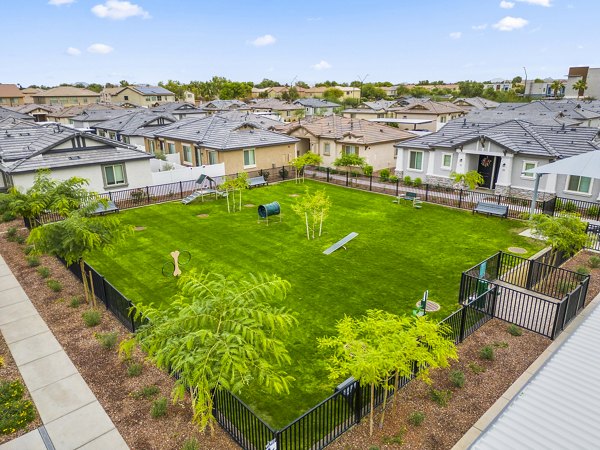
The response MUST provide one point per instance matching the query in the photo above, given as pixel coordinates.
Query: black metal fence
(593, 232)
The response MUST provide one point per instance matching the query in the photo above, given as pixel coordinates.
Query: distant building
(542, 89)
(592, 78)
(469, 103)
(140, 95)
(11, 95)
(437, 114)
(498, 84)
(66, 96)
(316, 106)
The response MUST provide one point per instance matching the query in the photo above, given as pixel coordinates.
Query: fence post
(283, 172)
(277, 439)
(104, 290)
(358, 403)
(328, 174)
(110, 196)
(498, 265)
(370, 182)
(181, 189)
(131, 317)
(347, 177)
(148, 194)
(397, 182)
(426, 192)
(460, 196)
(463, 323)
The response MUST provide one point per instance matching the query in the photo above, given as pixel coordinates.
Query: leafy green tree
(333, 94)
(470, 88)
(371, 92)
(556, 87)
(123, 83)
(313, 208)
(235, 90)
(308, 159)
(95, 87)
(516, 80)
(175, 87)
(218, 333)
(565, 233)
(470, 180)
(349, 160)
(302, 84)
(580, 86)
(300, 114)
(265, 83)
(233, 185)
(419, 91)
(291, 94)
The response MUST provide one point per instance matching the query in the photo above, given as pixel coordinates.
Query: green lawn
(399, 252)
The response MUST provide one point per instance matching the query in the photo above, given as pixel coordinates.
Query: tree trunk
(307, 232)
(371, 414)
(84, 281)
(321, 225)
(227, 197)
(396, 389)
(385, 397)
(92, 292)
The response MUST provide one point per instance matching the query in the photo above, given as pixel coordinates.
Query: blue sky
(54, 41)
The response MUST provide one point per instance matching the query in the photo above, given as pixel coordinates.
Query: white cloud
(510, 23)
(314, 19)
(73, 51)
(261, 41)
(545, 3)
(455, 35)
(481, 27)
(60, 2)
(506, 5)
(119, 10)
(321, 65)
(100, 48)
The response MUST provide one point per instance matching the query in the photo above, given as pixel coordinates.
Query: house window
(579, 184)
(126, 97)
(112, 135)
(171, 147)
(213, 158)
(350, 149)
(125, 139)
(443, 119)
(447, 161)
(327, 149)
(114, 175)
(249, 160)
(101, 133)
(187, 153)
(415, 160)
(151, 147)
(528, 165)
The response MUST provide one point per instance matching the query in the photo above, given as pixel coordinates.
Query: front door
(488, 168)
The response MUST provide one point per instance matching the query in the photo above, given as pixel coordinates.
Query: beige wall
(439, 120)
(12, 101)
(364, 115)
(66, 101)
(129, 95)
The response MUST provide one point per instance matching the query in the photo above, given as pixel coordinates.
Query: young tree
(218, 333)
(313, 208)
(556, 87)
(333, 94)
(470, 180)
(349, 160)
(580, 86)
(233, 185)
(308, 159)
(566, 233)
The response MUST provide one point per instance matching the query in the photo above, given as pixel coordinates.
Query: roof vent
(528, 142)
(73, 158)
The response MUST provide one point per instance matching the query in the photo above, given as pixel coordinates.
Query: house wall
(66, 101)
(439, 120)
(137, 172)
(364, 115)
(12, 101)
(131, 96)
(561, 190)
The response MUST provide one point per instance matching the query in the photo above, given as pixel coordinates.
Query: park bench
(257, 181)
(340, 243)
(411, 197)
(101, 209)
(491, 209)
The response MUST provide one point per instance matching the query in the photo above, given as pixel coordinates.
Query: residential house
(91, 117)
(319, 92)
(569, 112)
(106, 95)
(38, 112)
(543, 88)
(66, 96)
(180, 110)
(390, 91)
(217, 106)
(469, 103)
(285, 111)
(241, 145)
(27, 94)
(590, 75)
(142, 95)
(66, 115)
(427, 115)
(131, 128)
(189, 97)
(271, 92)
(316, 106)
(333, 136)
(107, 164)
(431, 87)
(6, 113)
(371, 110)
(500, 152)
(498, 84)
(11, 95)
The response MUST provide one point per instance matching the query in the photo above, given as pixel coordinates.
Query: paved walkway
(71, 415)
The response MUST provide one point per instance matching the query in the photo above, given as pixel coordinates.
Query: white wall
(185, 173)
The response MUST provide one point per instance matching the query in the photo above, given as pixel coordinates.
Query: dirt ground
(102, 369)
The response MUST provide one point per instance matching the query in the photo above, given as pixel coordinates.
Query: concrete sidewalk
(72, 416)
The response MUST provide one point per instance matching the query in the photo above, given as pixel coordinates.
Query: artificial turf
(400, 252)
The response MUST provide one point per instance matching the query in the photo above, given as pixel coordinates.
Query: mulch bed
(103, 370)
(582, 259)
(10, 372)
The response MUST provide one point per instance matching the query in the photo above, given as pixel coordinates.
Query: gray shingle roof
(5, 113)
(134, 124)
(172, 107)
(12, 122)
(315, 103)
(223, 105)
(101, 115)
(220, 133)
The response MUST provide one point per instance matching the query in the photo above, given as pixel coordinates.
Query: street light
(525, 89)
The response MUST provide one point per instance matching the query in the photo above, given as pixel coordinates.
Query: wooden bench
(256, 181)
(340, 243)
(110, 207)
(491, 209)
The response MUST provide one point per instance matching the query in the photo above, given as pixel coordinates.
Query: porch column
(505, 173)
(400, 160)
(461, 162)
(430, 163)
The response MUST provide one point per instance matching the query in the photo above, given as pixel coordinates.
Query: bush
(20, 239)
(570, 207)
(134, 369)
(7, 216)
(137, 195)
(416, 418)
(91, 317)
(457, 377)
(159, 408)
(107, 340)
(367, 170)
(583, 270)
(393, 179)
(384, 174)
(514, 330)
(397, 438)
(407, 180)
(75, 302)
(146, 392)
(16, 413)
(487, 353)
(565, 286)
(43, 271)
(594, 262)
(1, 362)
(593, 211)
(501, 344)
(417, 182)
(28, 249)
(11, 233)
(33, 261)
(441, 397)
(54, 285)
(476, 368)
(191, 444)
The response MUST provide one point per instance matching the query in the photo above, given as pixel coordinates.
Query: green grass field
(399, 252)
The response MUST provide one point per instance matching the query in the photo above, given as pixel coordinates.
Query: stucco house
(67, 115)
(11, 95)
(107, 164)
(90, 117)
(469, 103)
(287, 112)
(217, 106)
(316, 106)
(437, 114)
(130, 128)
(332, 136)
(241, 145)
(319, 92)
(38, 112)
(66, 96)
(371, 110)
(180, 110)
(6, 113)
(500, 152)
(140, 95)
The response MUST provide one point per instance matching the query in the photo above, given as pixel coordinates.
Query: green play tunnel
(270, 209)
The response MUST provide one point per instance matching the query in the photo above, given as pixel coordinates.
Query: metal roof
(150, 90)
(560, 406)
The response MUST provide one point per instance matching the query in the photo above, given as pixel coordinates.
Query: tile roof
(274, 104)
(4, 113)
(340, 128)
(13, 122)
(429, 107)
(26, 109)
(315, 103)
(220, 133)
(133, 124)
(10, 91)
(178, 108)
(101, 115)
(66, 91)
(478, 102)
(222, 105)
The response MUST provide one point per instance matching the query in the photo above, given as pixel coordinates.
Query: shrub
(20, 239)
(54, 285)
(501, 344)
(33, 261)
(191, 444)
(565, 286)
(367, 170)
(393, 179)
(476, 368)
(28, 249)
(407, 180)
(487, 353)
(514, 330)
(159, 408)
(1, 362)
(441, 397)
(583, 270)
(107, 340)
(16, 413)
(570, 207)
(457, 377)
(134, 369)
(416, 418)
(7, 216)
(146, 392)
(43, 271)
(384, 174)
(11, 233)
(397, 438)
(417, 182)
(91, 317)
(594, 262)
(593, 211)
(75, 302)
